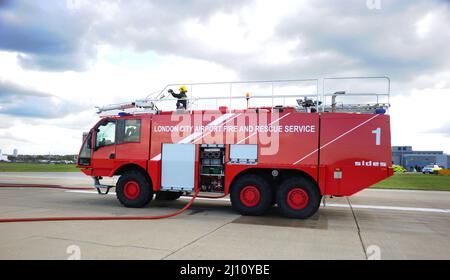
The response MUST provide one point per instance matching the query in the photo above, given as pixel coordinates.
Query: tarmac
(373, 224)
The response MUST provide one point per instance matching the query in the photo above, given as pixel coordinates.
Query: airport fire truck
(250, 146)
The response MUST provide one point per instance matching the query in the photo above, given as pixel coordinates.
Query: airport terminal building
(410, 159)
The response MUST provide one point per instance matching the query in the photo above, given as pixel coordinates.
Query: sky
(61, 58)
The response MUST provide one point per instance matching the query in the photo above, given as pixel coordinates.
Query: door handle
(112, 156)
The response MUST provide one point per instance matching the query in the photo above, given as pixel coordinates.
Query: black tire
(167, 196)
(309, 201)
(258, 184)
(134, 180)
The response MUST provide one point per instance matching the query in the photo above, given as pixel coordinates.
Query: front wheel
(134, 190)
(298, 198)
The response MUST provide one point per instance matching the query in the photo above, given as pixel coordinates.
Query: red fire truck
(290, 155)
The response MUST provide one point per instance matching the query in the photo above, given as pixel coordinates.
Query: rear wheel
(134, 190)
(298, 198)
(251, 195)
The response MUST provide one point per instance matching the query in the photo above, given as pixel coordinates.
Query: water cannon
(309, 104)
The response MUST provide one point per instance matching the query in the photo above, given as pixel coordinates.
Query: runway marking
(88, 192)
(183, 197)
(384, 207)
(337, 205)
(12, 177)
(408, 191)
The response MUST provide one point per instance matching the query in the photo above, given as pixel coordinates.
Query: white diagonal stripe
(194, 135)
(202, 136)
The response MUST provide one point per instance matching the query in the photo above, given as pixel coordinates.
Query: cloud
(65, 35)
(43, 139)
(18, 101)
(257, 39)
(341, 38)
(404, 40)
(11, 137)
(415, 123)
(443, 130)
(47, 35)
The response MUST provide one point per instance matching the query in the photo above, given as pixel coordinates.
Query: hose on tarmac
(87, 218)
(38, 186)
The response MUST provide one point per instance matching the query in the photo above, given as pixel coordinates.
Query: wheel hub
(250, 196)
(131, 190)
(297, 198)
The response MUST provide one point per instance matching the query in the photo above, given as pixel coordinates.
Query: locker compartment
(212, 168)
(178, 167)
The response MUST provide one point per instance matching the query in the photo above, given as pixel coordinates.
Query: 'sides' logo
(371, 163)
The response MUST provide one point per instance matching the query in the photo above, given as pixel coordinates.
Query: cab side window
(106, 134)
(85, 155)
(129, 131)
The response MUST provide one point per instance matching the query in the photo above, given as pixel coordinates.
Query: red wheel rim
(131, 190)
(250, 196)
(297, 198)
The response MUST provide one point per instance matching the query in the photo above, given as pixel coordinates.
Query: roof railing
(228, 94)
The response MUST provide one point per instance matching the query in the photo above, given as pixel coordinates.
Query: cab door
(133, 141)
(104, 153)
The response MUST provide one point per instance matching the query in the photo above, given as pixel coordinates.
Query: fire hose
(89, 218)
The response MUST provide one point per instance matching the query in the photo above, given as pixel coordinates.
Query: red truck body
(339, 154)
